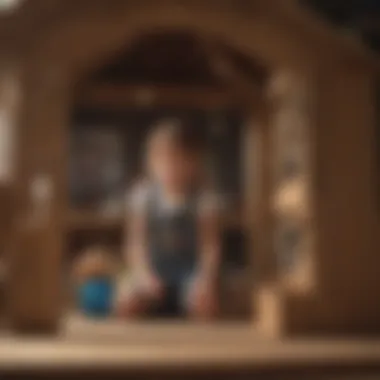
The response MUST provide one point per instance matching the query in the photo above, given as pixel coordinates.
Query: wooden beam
(237, 80)
(120, 96)
(225, 69)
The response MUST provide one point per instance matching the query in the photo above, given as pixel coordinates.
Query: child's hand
(152, 284)
(203, 299)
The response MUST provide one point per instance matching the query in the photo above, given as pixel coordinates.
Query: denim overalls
(172, 248)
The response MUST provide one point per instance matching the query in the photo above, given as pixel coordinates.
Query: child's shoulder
(141, 186)
(138, 195)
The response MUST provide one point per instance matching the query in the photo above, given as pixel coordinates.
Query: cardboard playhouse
(309, 172)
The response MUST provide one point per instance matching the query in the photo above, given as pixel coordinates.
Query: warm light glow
(9, 5)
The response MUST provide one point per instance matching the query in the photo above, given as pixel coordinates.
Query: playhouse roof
(177, 57)
(21, 27)
(313, 24)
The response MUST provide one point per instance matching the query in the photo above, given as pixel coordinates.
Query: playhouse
(296, 102)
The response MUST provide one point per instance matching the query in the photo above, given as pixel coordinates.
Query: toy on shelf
(94, 275)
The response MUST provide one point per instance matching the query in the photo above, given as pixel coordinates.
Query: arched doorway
(170, 73)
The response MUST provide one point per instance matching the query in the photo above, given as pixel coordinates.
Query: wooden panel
(40, 194)
(346, 212)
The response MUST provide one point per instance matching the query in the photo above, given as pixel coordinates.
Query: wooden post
(260, 145)
(40, 191)
(294, 174)
(345, 196)
(9, 107)
(267, 298)
(287, 205)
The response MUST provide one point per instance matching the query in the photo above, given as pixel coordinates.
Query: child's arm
(209, 248)
(210, 244)
(136, 255)
(204, 295)
(136, 247)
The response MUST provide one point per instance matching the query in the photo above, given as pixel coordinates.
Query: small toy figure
(94, 275)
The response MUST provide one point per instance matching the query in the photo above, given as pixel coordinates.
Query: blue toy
(94, 275)
(95, 297)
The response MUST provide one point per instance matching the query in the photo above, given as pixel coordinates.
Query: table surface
(116, 344)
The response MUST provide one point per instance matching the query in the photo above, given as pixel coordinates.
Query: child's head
(173, 154)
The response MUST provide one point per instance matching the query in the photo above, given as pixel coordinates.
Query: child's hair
(179, 133)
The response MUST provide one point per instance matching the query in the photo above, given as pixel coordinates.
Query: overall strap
(153, 201)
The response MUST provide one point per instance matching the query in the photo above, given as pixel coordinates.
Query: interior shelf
(78, 220)
(92, 220)
(114, 96)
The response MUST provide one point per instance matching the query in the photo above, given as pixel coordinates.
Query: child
(173, 242)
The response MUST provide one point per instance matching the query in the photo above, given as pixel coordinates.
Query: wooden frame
(336, 71)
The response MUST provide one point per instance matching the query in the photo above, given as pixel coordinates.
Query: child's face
(171, 166)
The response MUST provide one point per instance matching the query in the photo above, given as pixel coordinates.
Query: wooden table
(179, 350)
